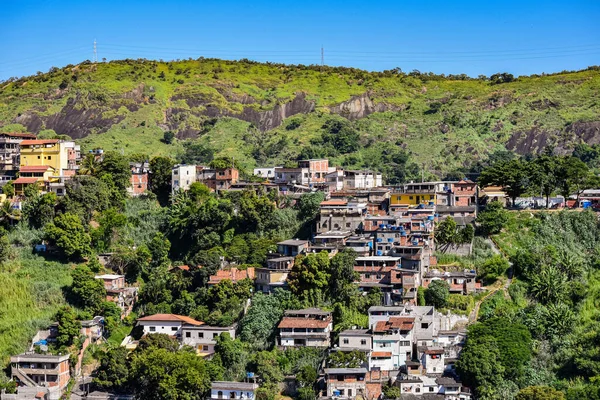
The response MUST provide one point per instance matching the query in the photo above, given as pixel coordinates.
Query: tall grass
(31, 291)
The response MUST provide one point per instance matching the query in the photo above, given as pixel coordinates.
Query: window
(232, 395)
(219, 394)
(201, 335)
(215, 335)
(367, 276)
(410, 197)
(434, 369)
(49, 157)
(174, 329)
(404, 343)
(340, 378)
(378, 276)
(152, 329)
(346, 341)
(418, 390)
(349, 392)
(424, 325)
(347, 224)
(39, 157)
(431, 389)
(205, 348)
(188, 334)
(363, 342)
(431, 197)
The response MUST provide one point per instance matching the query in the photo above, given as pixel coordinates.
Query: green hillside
(270, 113)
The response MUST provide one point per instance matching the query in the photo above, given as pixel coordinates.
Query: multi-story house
(217, 178)
(355, 339)
(274, 275)
(169, 324)
(392, 343)
(346, 383)
(182, 177)
(203, 337)
(292, 247)
(363, 246)
(9, 153)
(232, 390)
(317, 169)
(341, 215)
(292, 176)
(49, 374)
(139, 178)
(118, 293)
(377, 272)
(309, 327)
(361, 179)
(266, 172)
(58, 154)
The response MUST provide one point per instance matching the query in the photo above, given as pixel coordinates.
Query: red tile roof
(171, 317)
(38, 141)
(25, 180)
(401, 323)
(35, 168)
(381, 354)
(232, 274)
(291, 322)
(181, 267)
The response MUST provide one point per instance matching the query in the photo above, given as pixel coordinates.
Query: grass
(30, 294)
(117, 336)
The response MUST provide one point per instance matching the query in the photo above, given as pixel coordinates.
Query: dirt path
(498, 285)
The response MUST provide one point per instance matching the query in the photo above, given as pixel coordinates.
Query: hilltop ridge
(270, 113)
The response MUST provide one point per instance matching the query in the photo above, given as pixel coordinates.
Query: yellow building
(41, 172)
(412, 199)
(38, 152)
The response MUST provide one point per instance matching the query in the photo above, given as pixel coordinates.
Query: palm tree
(89, 165)
(8, 214)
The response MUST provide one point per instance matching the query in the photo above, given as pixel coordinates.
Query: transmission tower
(95, 60)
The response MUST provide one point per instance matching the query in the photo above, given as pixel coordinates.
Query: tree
(549, 285)
(546, 174)
(116, 166)
(113, 373)
(8, 189)
(514, 176)
(160, 178)
(437, 293)
(87, 292)
(492, 268)
(391, 392)
(195, 153)
(68, 326)
(160, 374)
(309, 277)
(479, 363)
(8, 214)
(157, 341)
(446, 233)
(421, 296)
(67, 233)
(233, 356)
(340, 135)
(343, 276)
(89, 165)
(87, 194)
(540, 393)
(493, 218)
(168, 137)
(575, 176)
(267, 367)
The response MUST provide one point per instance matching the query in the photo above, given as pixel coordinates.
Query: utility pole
(95, 60)
(322, 58)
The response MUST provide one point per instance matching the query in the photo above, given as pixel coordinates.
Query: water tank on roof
(382, 226)
(391, 240)
(379, 240)
(415, 242)
(431, 203)
(430, 218)
(379, 253)
(402, 233)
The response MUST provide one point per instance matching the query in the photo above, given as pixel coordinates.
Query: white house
(392, 343)
(267, 173)
(182, 176)
(232, 390)
(361, 179)
(202, 337)
(169, 324)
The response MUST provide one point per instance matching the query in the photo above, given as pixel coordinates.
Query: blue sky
(472, 37)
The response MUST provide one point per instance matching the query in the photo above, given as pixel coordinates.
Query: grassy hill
(268, 113)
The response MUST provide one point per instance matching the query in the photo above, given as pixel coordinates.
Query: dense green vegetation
(542, 332)
(442, 124)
